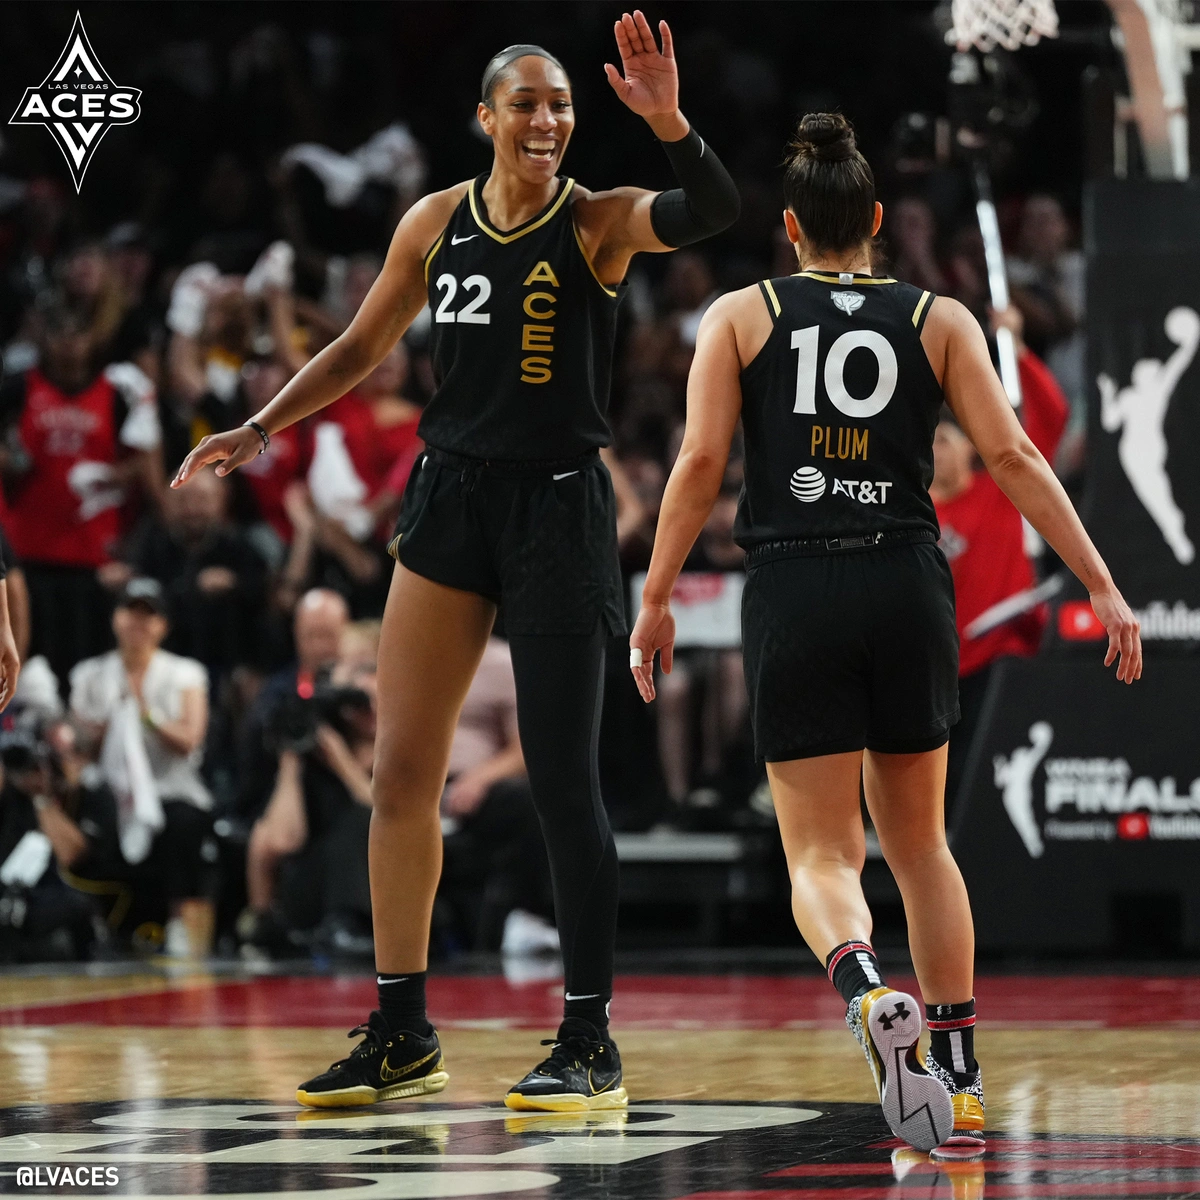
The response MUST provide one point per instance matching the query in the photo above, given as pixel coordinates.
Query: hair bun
(825, 137)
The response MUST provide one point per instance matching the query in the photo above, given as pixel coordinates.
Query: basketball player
(510, 506)
(848, 618)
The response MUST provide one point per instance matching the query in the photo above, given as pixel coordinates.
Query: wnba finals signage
(1143, 501)
(78, 103)
(1080, 794)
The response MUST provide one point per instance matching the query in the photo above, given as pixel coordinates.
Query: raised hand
(230, 449)
(650, 82)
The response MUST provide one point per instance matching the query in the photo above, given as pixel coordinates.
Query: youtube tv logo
(1077, 622)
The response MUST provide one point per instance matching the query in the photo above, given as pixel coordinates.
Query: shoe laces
(373, 1042)
(571, 1051)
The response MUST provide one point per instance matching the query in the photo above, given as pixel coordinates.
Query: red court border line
(641, 1001)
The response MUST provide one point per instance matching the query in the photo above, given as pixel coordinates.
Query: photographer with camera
(146, 713)
(41, 917)
(308, 790)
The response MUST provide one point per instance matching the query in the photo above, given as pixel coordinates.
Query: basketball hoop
(1010, 24)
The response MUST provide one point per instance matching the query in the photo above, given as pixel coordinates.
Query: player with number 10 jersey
(850, 647)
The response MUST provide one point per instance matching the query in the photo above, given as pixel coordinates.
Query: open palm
(648, 81)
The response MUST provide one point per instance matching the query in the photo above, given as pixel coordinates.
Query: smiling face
(530, 118)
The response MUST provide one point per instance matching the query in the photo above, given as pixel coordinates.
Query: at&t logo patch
(808, 484)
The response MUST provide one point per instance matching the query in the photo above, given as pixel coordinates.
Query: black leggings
(560, 687)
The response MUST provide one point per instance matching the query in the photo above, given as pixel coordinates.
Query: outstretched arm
(624, 221)
(714, 403)
(959, 356)
(394, 300)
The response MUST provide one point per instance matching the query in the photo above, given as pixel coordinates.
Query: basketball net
(1010, 24)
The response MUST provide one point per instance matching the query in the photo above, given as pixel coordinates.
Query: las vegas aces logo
(78, 102)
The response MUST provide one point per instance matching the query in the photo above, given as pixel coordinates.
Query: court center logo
(78, 102)
(1138, 413)
(1092, 799)
(413, 1152)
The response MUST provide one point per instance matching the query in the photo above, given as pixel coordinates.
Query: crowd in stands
(188, 760)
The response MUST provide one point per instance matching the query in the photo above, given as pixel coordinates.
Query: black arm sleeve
(708, 201)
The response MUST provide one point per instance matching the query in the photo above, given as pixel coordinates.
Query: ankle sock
(590, 1008)
(853, 969)
(402, 1002)
(952, 1038)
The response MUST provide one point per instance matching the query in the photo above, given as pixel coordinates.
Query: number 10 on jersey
(807, 342)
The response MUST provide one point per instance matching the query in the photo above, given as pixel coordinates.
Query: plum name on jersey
(539, 337)
(850, 443)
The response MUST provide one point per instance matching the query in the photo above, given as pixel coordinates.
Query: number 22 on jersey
(469, 314)
(806, 341)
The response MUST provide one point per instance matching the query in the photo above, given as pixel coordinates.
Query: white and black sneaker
(916, 1105)
(967, 1139)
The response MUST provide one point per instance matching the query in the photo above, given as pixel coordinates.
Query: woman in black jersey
(848, 614)
(511, 507)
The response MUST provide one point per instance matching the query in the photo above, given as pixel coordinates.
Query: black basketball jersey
(839, 409)
(521, 336)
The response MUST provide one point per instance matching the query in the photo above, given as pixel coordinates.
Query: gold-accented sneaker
(385, 1065)
(916, 1103)
(967, 1139)
(582, 1074)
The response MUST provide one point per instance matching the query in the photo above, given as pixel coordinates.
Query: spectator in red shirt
(984, 539)
(79, 442)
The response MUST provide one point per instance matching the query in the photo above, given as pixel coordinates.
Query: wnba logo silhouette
(78, 102)
(1138, 412)
(1014, 776)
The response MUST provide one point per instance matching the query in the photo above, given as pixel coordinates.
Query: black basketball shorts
(850, 650)
(537, 538)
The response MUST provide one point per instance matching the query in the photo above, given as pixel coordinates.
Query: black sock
(590, 1008)
(402, 1002)
(853, 969)
(952, 1038)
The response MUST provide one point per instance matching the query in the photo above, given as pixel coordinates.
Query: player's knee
(406, 786)
(909, 858)
(824, 857)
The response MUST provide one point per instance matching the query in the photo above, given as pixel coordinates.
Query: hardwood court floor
(1098, 1062)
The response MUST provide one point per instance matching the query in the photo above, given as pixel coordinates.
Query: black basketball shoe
(383, 1066)
(583, 1073)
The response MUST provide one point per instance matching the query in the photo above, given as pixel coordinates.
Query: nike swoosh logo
(389, 1073)
(457, 241)
(595, 1090)
(564, 476)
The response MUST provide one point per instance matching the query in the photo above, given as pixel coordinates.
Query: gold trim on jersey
(920, 307)
(505, 238)
(429, 257)
(774, 298)
(587, 259)
(821, 277)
